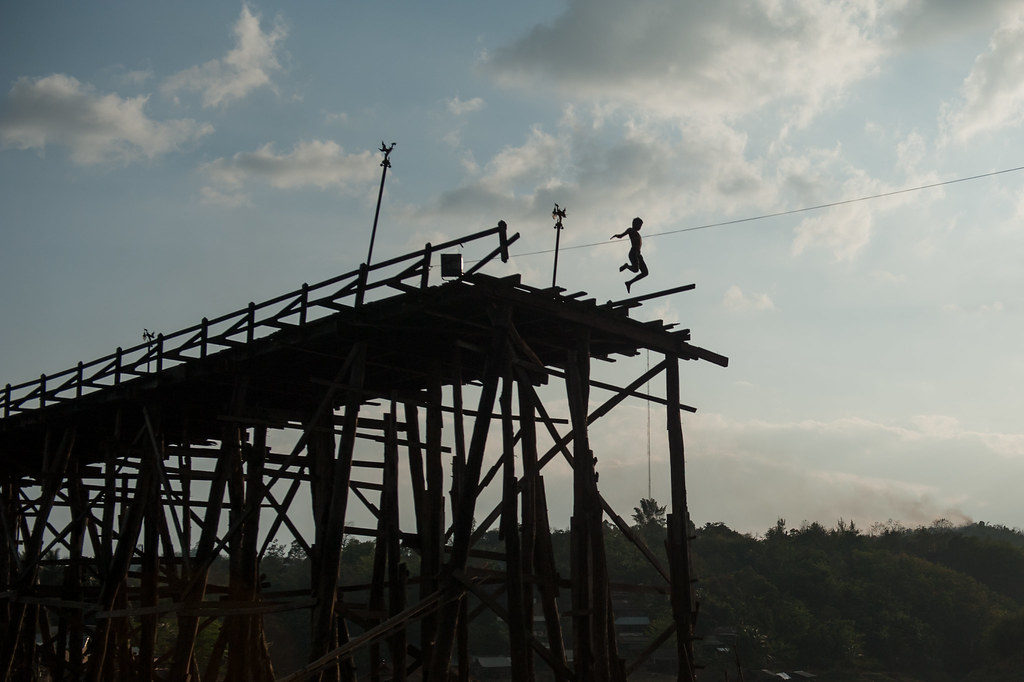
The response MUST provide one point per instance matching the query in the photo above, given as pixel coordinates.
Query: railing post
(304, 303)
(159, 352)
(250, 332)
(204, 332)
(361, 284)
(425, 275)
(78, 381)
(503, 240)
(117, 366)
(42, 390)
(7, 401)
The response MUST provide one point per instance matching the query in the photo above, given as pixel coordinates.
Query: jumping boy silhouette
(636, 260)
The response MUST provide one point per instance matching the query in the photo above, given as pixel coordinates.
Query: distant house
(632, 631)
(491, 667)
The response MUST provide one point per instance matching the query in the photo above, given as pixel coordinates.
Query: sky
(161, 162)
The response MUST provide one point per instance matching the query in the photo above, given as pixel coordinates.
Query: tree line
(938, 603)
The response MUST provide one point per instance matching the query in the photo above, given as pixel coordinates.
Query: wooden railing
(235, 329)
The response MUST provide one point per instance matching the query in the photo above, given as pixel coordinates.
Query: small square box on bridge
(451, 265)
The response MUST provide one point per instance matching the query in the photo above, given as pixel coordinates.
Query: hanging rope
(649, 494)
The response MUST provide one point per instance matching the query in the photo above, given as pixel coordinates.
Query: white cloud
(97, 128)
(460, 107)
(993, 308)
(726, 59)
(738, 301)
(928, 467)
(844, 231)
(658, 96)
(886, 277)
(244, 68)
(316, 163)
(926, 21)
(137, 77)
(227, 198)
(607, 168)
(868, 436)
(992, 96)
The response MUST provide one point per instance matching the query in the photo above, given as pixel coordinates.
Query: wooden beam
(464, 511)
(678, 533)
(325, 583)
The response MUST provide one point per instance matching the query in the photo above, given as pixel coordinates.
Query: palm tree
(649, 513)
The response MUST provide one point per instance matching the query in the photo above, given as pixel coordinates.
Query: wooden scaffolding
(142, 468)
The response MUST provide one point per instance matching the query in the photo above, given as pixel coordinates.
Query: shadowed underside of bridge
(143, 468)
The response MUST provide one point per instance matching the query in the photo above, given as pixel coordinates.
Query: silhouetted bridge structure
(145, 466)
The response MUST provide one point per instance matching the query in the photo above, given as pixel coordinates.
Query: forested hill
(935, 603)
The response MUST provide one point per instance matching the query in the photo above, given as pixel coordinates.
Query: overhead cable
(804, 209)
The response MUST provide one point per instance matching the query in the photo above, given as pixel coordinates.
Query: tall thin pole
(650, 496)
(385, 164)
(557, 214)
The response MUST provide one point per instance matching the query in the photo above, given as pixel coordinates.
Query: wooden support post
(325, 583)
(458, 474)
(150, 574)
(10, 564)
(361, 284)
(458, 427)
(545, 566)
(528, 533)
(234, 628)
(260, 667)
(517, 626)
(579, 528)
(109, 507)
(212, 671)
(320, 451)
(304, 303)
(108, 646)
(678, 533)
(185, 464)
(432, 540)
(22, 626)
(74, 575)
(463, 514)
(417, 481)
(425, 272)
(376, 599)
(70, 635)
(396, 570)
(188, 625)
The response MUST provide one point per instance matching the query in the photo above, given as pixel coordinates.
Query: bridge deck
(409, 338)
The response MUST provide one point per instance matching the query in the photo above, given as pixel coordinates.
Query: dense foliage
(935, 603)
(938, 603)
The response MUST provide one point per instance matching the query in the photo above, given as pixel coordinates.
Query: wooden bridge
(123, 480)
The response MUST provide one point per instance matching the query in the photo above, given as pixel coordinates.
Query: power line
(804, 209)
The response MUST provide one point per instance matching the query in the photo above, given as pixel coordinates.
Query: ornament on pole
(385, 164)
(557, 214)
(148, 337)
